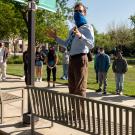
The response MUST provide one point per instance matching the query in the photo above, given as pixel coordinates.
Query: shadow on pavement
(28, 133)
(20, 131)
(117, 98)
(12, 88)
(109, 97)
(95, 94)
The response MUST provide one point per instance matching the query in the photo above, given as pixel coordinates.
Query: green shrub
(15, 60)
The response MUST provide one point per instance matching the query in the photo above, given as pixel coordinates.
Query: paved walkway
(13, 123)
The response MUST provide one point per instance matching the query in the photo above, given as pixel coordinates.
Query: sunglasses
(80, 11)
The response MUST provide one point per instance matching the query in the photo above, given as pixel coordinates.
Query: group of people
(101, 66)
(49, 58)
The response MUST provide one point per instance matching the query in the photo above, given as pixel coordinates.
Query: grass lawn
(129, 85)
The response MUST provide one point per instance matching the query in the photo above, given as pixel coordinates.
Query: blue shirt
(80, 45)
(102, 62)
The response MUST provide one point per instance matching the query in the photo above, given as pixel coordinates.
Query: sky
(102, 13)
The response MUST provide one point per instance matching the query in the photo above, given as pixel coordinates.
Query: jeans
(119, 78)
(65, 70)
(102, 79)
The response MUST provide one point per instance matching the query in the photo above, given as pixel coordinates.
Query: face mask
(102, 52)
(79, 19)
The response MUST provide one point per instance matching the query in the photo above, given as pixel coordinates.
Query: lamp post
(31, 41)
(31, 54)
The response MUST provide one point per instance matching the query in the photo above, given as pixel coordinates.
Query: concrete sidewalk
(13, 123)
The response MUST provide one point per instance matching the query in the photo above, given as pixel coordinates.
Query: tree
(132, 18)
(120, 35)
(44, 20)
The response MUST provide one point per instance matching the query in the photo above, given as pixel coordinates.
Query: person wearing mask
(51, 62)
(102, 66)
(78, 43)
(96, 54)
(65, 65)
(3, 61)
(119, 67)
(39, 58)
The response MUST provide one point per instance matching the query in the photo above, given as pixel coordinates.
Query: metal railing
(84, 114)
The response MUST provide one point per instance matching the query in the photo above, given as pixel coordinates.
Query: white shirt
(80, 45)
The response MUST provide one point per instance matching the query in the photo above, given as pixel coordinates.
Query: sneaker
(53, 85)
(22, 78)
(63, 78)
(121, 93)
(4, 79)
(99, 90)
(117, 93)
(40, 80)
(104, 93)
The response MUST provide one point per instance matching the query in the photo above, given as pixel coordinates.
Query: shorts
(39, 63)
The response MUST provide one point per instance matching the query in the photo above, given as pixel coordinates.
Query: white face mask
(102, 52)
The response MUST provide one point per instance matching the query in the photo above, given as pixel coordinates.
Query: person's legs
(63, 76)
(36, 72)
(3, 70)
(79, 72)
(0, 69)
(66, 71)
(71, 78)
(121, 82)
(54, 75)
(26, 73)
(117, 83)
(40, 73)
(97, 76)
(105, 82)
(48, 75)
(100, 80)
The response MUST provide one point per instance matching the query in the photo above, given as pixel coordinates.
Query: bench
(99, 117)
(7, 96)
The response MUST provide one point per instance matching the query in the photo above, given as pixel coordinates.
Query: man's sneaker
(104, 93)
(54, 85)
(99, 90)
(4, 79)
(63, 78)
(22, 78)
(40, 80)
(121, 93)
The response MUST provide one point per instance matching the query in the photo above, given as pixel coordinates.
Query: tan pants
(3, 67)
(77, 75)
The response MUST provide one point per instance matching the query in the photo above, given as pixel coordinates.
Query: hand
(77, 32)
(52, 34)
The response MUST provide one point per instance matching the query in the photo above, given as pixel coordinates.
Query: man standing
(102, 66)
(80, 40)
(119, 67)
(3, 58)
(65, 64)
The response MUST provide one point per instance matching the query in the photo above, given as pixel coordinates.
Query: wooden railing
(84, 114)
